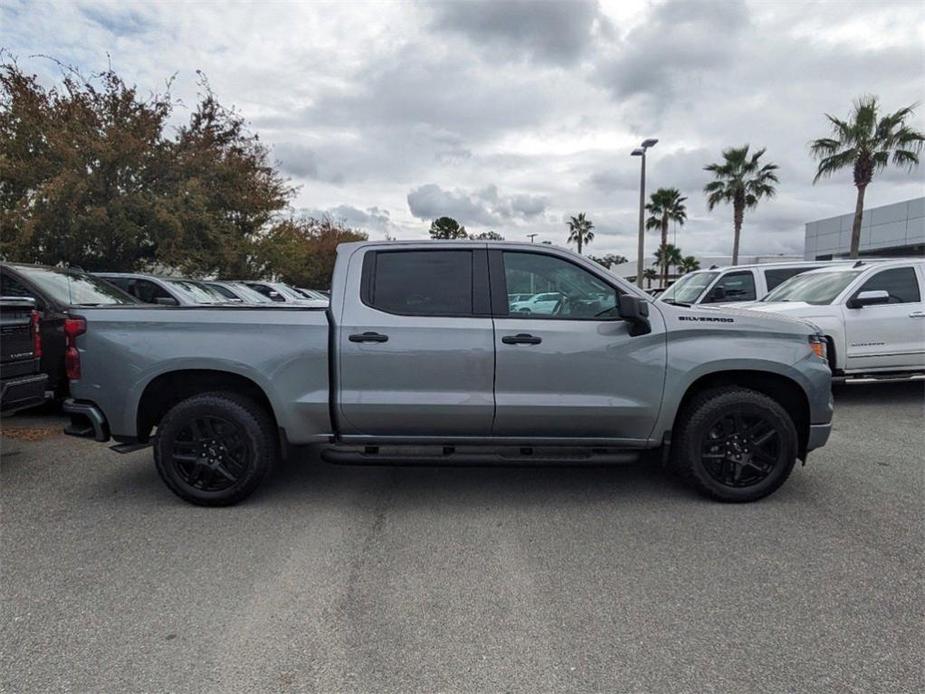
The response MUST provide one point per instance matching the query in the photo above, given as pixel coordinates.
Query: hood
(736, 318)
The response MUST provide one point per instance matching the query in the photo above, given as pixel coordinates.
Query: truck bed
(130, 347)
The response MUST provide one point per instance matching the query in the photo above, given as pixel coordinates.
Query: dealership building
(887, 231)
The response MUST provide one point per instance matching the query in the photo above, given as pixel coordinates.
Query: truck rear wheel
(735, 444)
(214, 449)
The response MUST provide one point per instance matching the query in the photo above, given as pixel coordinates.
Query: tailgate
(16, 336)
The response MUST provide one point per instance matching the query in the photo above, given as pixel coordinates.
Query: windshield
(250, 295)
(689, 288)
(197, 293)
(814, 288)
(76, 288)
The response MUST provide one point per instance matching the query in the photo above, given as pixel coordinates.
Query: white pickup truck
(871, 312)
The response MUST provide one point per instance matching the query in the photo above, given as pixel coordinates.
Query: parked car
(420, 359)
(723, 285)
(22, 383)
(283, 293)
(167, 291)
(870, 312)
(543, 304)
(238, 291)
(56, 292)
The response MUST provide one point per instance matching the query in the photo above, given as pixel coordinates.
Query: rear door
(573, 371)
(889, 335)
(416, 352)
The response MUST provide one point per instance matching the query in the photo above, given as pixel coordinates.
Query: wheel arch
(784, 390)
(168, 388)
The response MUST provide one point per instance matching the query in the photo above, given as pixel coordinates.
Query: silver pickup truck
(420, 359)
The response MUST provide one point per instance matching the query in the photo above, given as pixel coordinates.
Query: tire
(214, 449)
(734, 444)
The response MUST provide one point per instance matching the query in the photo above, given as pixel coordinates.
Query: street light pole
(641, 245)
(531, 237)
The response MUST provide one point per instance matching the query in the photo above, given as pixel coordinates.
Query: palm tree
(741, 180)
(666, 256)
(688, 264)
(649, 274)
(580, 230)
(867, 144)
(667, 205)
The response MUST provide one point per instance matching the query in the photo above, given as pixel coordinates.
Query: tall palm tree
(742, 181)
(667, 205)
(648, 275)
(867, 143)
(688, 263)
(580, 230)
(666, 256)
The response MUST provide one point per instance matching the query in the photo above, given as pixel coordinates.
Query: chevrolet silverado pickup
(22, 384)
(419, 358)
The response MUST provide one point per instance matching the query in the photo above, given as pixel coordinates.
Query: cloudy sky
(513, 115)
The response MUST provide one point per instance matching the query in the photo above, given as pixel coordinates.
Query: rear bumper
(818, 435)
(20, 393)
(87, 420)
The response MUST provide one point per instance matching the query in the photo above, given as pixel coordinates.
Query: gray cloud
(303, 162)
(374, 219)
(484, 207)
(553, 31)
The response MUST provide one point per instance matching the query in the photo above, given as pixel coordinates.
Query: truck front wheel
(214, 449)
(735, 444)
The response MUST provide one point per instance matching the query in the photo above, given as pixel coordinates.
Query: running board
(451, 455)
(128, 447)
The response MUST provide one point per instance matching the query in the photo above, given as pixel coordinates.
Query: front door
(573, 370)
(416, 354)
(891, 335)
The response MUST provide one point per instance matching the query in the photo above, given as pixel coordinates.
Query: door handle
(521, 339)
(369, 337)
(917, 314)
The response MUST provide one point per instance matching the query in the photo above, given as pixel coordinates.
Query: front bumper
(87, 420)
(20, 393)
(818, 435)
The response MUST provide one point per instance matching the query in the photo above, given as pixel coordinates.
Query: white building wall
(900, 226)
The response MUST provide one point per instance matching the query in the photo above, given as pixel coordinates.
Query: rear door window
(776, 276)
(420, 283)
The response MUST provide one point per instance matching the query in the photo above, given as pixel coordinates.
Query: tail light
(72, 328)
(36, 335)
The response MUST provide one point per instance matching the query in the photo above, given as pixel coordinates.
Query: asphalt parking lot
(387, 579)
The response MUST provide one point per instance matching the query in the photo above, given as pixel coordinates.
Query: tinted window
(733, 286)
(566, 290)
(149, 292)
(422, 283)
(10, 286)
(777, 275)
(899, 282)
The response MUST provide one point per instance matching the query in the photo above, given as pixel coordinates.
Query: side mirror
(166, 301)
(869, 298)
(717, 294)
(635, 311)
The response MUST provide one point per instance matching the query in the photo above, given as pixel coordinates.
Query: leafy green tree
(301, 251)
(740, 180)
(447, 228)
(609, 260)
(488, 236)
(580, 230)
(867, 143)
(689, 263)
(648, 275)
(91, 174)
(666, 205)
(666, 256)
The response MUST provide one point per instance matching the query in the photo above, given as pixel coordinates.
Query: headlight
(819, 345)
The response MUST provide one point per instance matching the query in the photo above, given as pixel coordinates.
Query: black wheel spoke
(741, 448)
(211, 453)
